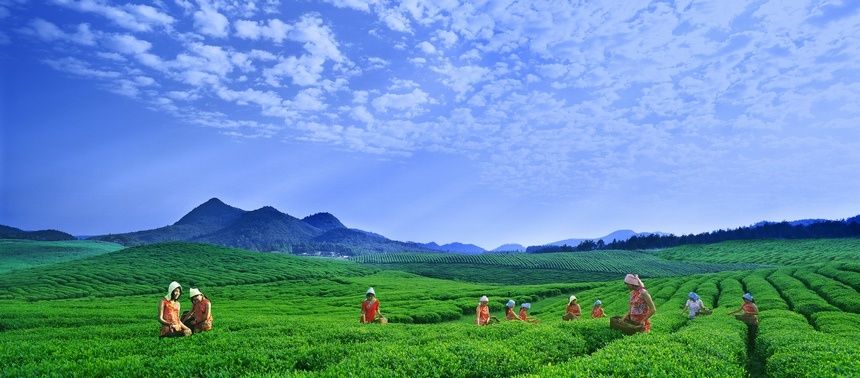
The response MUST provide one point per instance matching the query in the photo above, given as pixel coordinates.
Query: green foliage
(280, 315)
(539, 268)
(800, 298)
(834, 292)
(793, 348)
(773, 252)
(22, 254)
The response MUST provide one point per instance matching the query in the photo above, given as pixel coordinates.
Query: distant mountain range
(512, 247)
(7, 232)
(266, 229)
(619, 235)
(468, 249)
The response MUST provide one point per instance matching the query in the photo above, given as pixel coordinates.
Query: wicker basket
(624, 326)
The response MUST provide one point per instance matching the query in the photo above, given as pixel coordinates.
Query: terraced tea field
(278, 315)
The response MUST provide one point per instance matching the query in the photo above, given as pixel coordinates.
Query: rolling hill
(7, 232)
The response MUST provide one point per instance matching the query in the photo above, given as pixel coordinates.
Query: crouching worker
(597, 310)
(370, 309)
(750, 311)
(199, 319)
(573, 310)
(695, 306)
(524, 313)
(482, 313)
(168, 313)
(509, 310)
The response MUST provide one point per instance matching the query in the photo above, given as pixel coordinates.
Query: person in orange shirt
(597, 310)
(573, 310)
(509, 311)
(370, 309)
(524, 313)
(482, 313)
(750, 311)
(168, 313)
(199, 319)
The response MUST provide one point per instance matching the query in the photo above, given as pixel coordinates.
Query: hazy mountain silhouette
(265, 229)
(512, 247)
(7, 232)
(619, 235)
(455, 247)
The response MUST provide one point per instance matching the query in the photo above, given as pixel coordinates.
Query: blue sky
(479, 122)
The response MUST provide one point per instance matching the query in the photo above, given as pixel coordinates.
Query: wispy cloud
(542, 96)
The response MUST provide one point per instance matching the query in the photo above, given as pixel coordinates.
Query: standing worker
(749, 309)
(370, 309)
(641, 305)
(573, 310)
(168, 313)
(597, 310)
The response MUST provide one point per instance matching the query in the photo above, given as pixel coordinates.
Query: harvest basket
(627, 328)
(705, 311)
(748, 319)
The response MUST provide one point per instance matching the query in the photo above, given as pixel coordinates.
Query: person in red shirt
(509, 311)
(750, 311)
(199, 319)
(524, 313)
(370, 309)
(573, 310)
(597, 310)
(482, 313)
(641, 306)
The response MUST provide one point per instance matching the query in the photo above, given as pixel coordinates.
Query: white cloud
(375, 63)
(80, 68)
(427, 48)
(362, 5)
(305, 70)
(128, 44)
(406, 104)
(360, 113)
(49, 32)
(275, 30)
(448, 38)
(395, 20)
(463, 78)
(133, 17)
(208, 21)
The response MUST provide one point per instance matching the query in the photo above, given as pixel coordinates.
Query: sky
(484, 122)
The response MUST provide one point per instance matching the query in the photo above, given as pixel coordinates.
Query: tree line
(777, 230)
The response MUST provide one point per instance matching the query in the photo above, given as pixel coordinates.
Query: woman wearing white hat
(370, 309)
(509, 310)
(199, 319)
(482, 313)
(573, 310)
(597, 310)
(168, 313)
(524, 313)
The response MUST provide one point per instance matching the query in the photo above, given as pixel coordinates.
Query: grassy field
(772, 252)
(22, 254)
(279, 315)
(522, 268)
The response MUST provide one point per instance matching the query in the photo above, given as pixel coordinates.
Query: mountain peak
(323, 221)
(210, 212)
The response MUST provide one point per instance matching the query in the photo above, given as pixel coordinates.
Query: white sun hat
(193, 292)
(371, 291)
(173, 286)
(484, 299)
(511, 303)
(572, 298)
